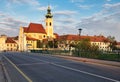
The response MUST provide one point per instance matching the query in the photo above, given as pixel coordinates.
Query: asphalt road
(47, 68)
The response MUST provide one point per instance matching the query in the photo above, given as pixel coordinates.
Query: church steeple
(49, 23)
(49, 15)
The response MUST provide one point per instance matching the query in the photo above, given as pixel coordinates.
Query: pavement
(88, 60)
(1, 71)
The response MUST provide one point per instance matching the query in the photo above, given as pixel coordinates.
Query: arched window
(46, 23)
(50, 23)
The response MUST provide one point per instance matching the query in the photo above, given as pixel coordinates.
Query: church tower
(49, 23)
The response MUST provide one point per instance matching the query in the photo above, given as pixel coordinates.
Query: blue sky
(95, 17)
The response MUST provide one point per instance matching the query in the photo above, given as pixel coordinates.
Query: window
(50, 24)
(46, 23)
(44, 36)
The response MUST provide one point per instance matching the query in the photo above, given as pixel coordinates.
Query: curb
(6, 75)
(111, 63)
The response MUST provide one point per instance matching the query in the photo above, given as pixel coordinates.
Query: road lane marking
(76, 70)
(85, 72)
(39, 63)
(23, 74)
(30, 64)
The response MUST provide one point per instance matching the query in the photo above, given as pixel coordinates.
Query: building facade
(30, 37)
(8, 43)
(100, 41)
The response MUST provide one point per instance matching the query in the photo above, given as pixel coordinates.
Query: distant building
(118, 45)
(8, 43)
(100, 41)
(30, 37)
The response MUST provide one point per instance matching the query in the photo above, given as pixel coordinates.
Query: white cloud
(65, 13)
(31, 2)
(108, 0)
(85, 6)
(10, 25)
(76, 1)
(42, 8)
(117, 5)
(106, 22)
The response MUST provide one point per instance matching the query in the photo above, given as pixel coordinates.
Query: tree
(84, 45)
(85, 49)
(113, 42)
(53, 43)
(39, 44)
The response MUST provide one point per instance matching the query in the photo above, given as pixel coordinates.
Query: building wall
(38, 36)
(21, 39)
(31, 45)
(102, 45)
(11, 47)
(49, 27)
(2, 43)
(7, 46)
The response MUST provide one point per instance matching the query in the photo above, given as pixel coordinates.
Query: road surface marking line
(25, 76)
(31, 64)
(85, 72)
(77, 70)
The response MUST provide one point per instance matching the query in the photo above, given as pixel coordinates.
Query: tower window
(46, 23)
(50, 24)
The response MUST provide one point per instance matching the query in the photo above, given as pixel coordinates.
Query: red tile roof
(56, 35)
(77, 37)
(29, 38)
(34, 28)
(10, 40)
(118, 43)
(25, 29)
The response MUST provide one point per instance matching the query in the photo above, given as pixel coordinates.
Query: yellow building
(30, 37)
(8, 43)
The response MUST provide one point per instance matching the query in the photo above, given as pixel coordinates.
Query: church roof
(29, 38)
(34, 28)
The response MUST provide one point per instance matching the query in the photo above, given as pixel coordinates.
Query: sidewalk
(1, 71)
(112, 63)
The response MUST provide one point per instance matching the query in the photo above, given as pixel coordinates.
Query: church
(30, 37)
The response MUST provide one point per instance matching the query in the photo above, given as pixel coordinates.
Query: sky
(94, 17)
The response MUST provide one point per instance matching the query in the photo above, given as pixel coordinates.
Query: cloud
(66, 13)
(76, 1)
(117, 5)
(44, 8)
(30, 2)
(108, 0)
(106, 22)
(85, 6)
(10, 25)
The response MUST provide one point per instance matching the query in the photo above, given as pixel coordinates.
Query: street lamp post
(80, 31)
(79, 39)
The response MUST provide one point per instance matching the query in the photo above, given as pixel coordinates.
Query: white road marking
(66, 67)
(21, 72)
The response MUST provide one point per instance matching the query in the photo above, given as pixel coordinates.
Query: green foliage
(53, 44)
(84, 48)
(39, 44)
(85, 45)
